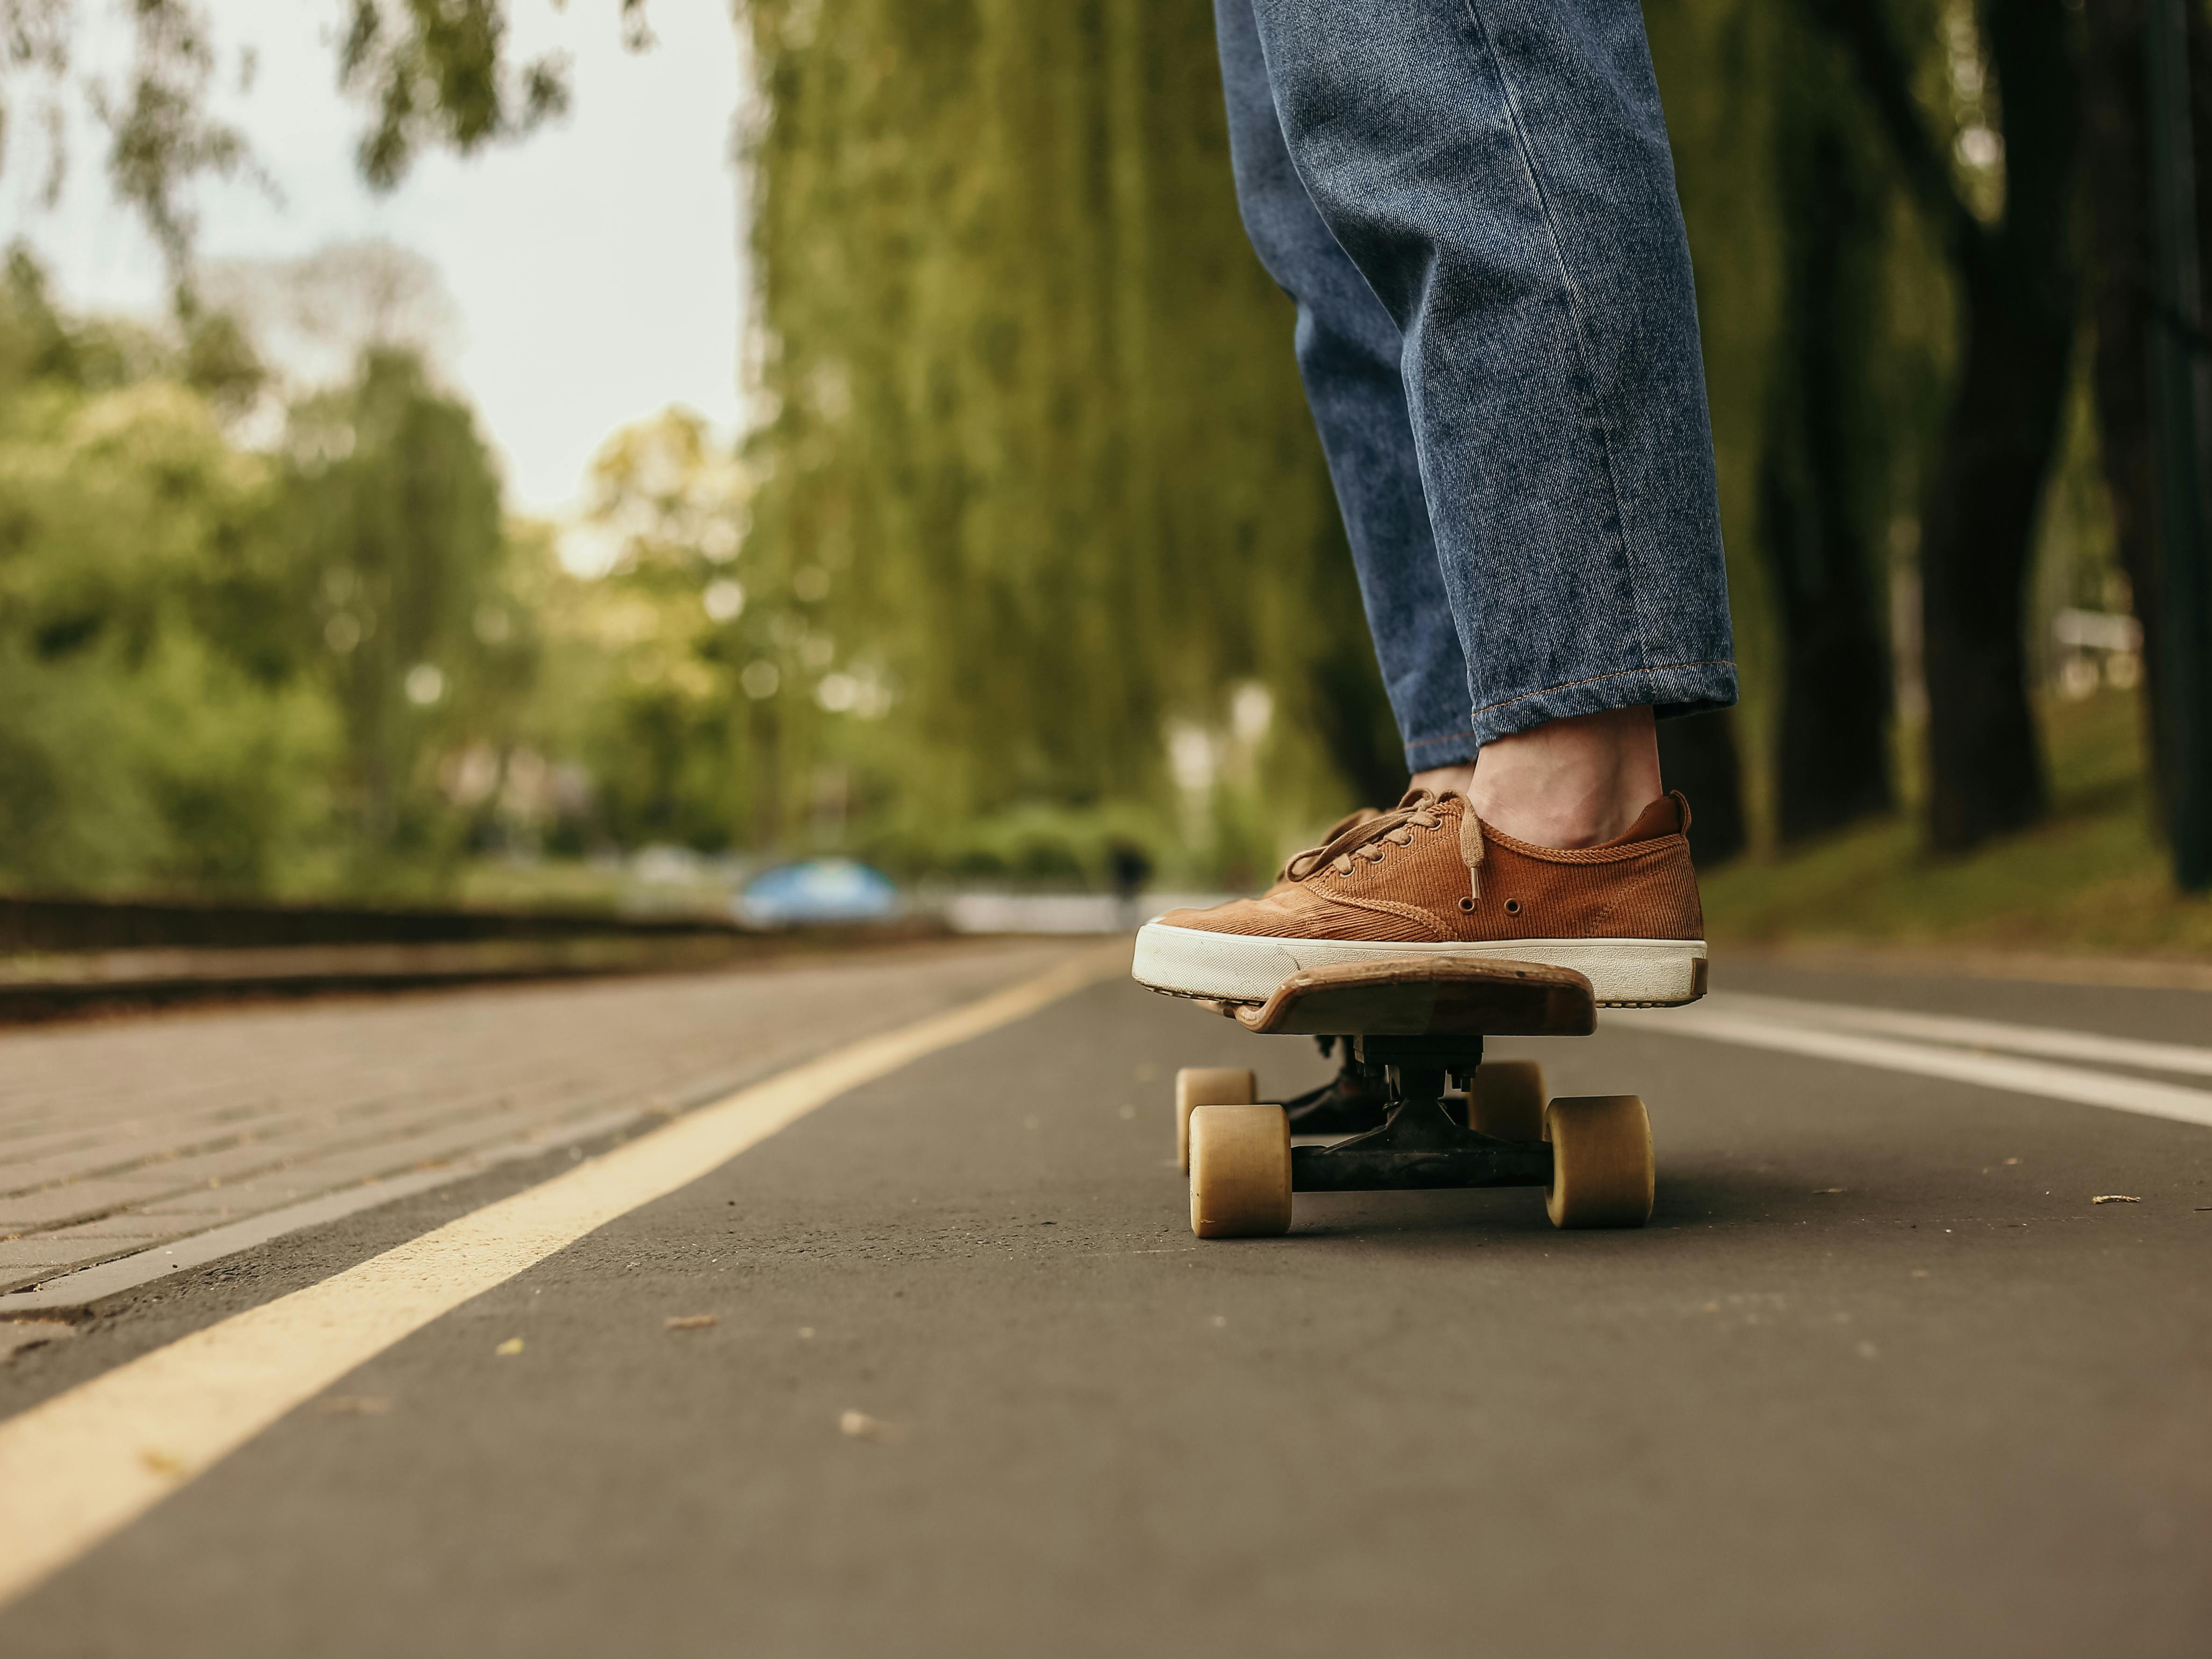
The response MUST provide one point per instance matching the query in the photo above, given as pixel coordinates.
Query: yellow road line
(85, 1463)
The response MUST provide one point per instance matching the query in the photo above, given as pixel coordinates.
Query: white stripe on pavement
(2026, 1076)
(83, 1464)
(2055, 1042)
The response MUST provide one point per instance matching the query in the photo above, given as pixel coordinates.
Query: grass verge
(2093, 878)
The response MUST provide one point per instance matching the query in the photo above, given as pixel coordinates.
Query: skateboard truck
(1351, 1102)
(1419, 1021)
(1420, 1145)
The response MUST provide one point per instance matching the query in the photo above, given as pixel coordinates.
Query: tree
(2123, 298)
(697, 643)
(434, 73)
(159, 730)
(2007, 231)
(1823, 478)
(390, 512)
(1037, 419)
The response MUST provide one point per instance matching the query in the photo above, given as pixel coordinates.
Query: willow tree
(1035, 415)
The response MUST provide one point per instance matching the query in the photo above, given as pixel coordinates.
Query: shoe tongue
(1662, 817)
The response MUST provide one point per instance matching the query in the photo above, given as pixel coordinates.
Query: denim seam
(1617, 673)
(1451, 737)
(1575, 309)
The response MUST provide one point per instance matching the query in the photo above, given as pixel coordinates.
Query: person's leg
(1499, 173)
(1570, 782)
(1348, 352)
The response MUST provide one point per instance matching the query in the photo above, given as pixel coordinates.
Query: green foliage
(1035, 420)
(159, 131)
(234, 671)
(2094, 878)
(147, 739)
(663, 640)
(1031, 554)
(389, 516)
(432, 73)
(437, 72)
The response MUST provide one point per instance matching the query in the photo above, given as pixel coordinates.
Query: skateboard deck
(1426, 996)
(1409, 1026)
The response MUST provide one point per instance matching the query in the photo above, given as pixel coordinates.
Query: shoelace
(1359, 816)
(1419, 809)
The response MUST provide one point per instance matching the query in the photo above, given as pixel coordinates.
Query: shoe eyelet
(1468, 905)
(1513, 907)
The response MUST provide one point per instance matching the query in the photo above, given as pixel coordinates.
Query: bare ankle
(1570, 783)
(1445, 779)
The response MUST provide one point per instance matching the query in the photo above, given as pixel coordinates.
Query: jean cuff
(1445, 749)
(1671, 689)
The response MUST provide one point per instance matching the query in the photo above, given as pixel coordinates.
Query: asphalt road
(1878, 1379)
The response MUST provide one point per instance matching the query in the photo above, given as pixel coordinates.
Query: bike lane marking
(76, 1469)
(2049, 1042)
(2015, 1076)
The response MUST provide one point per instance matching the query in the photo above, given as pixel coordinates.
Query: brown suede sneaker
(1430, 879)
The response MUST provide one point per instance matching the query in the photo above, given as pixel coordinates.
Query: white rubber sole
(1191, 962)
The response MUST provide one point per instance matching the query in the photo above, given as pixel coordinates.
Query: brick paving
(118, 1136)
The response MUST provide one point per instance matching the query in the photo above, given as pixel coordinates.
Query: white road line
(85, 1463)
(2026, 1076)
(2055, 1042)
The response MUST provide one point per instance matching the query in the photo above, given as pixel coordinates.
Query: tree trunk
(1821, 475)
(2018, 284)
(2121, 298)
(2019, 289)
(1977, 535)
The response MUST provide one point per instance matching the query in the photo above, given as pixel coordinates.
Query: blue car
(817, 890)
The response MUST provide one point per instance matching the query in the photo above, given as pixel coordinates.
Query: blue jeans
(1472, 203)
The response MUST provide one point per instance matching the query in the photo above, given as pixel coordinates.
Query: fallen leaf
(356, 1405)
(2115, 1198)
(861, 1426)
(513, 1345)
(692, 1322)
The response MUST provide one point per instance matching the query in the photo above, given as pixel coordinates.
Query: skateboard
(1410, 1027)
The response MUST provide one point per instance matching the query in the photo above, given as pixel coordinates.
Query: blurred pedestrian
(1129, 870)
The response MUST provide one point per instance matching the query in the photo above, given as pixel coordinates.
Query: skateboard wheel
(1601, 1173)
(1240, 1171)
(1507, 1100)
(1208, 1086)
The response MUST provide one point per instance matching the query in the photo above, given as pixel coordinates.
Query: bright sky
(595, 265)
